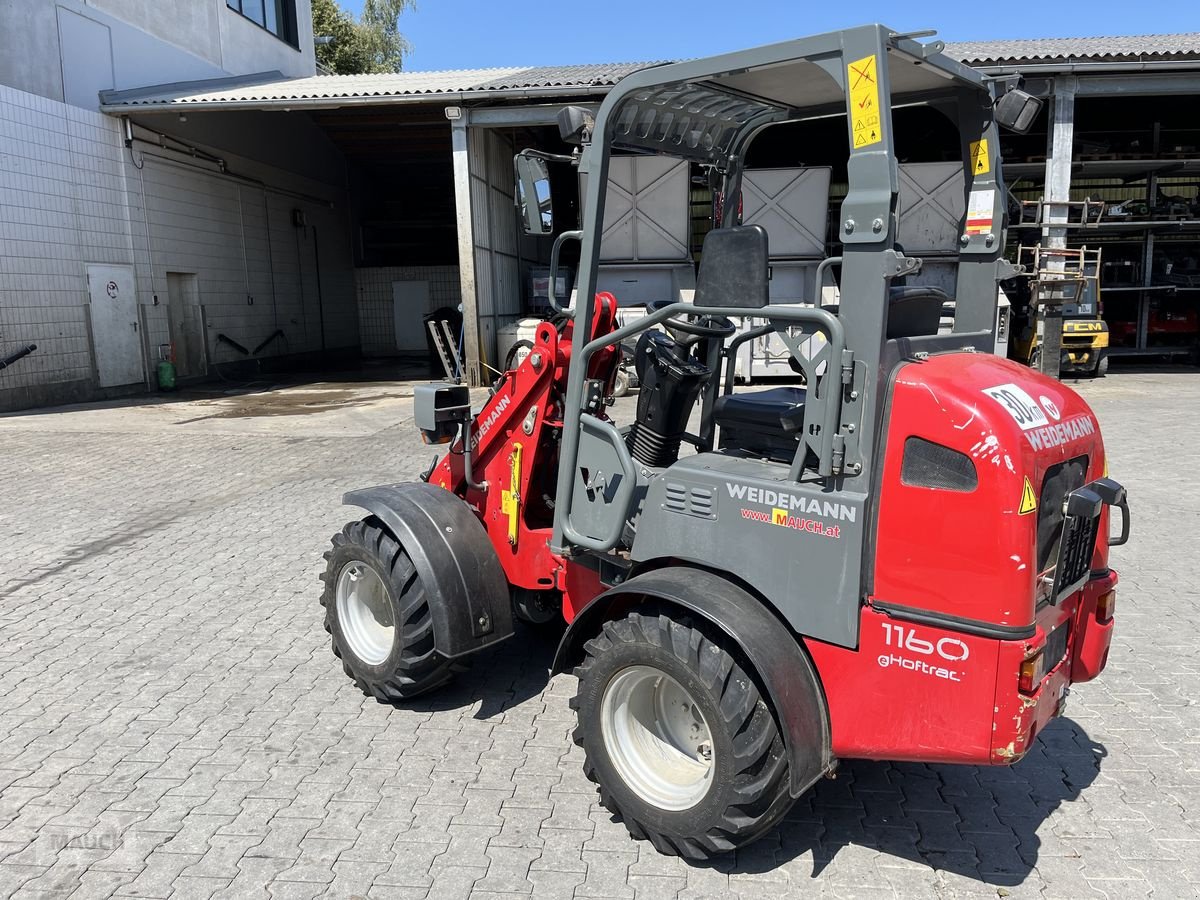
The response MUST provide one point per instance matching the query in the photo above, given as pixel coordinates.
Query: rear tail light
(1105, 606)
(1031, 673)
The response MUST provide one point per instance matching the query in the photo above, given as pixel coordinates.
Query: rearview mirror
(1016, 110)
(533, 194)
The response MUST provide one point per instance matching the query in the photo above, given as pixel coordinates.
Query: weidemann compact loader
(906, 559)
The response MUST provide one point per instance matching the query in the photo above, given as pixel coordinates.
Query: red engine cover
(972, 554)
(941, 689)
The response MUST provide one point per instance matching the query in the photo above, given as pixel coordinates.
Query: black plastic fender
(781, 662)
(457, 565)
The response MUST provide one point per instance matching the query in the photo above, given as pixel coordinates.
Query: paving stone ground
(172, 723)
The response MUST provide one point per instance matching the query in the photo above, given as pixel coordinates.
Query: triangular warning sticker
(1028, 499)
(980, 161)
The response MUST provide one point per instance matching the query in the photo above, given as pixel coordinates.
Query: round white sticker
(1050, 407)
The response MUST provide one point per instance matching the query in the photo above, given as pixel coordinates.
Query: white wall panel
(932, 205)
(792, 205)
(646, 210)
(73, 196)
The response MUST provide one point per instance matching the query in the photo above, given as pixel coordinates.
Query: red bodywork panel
(526, 412)
(972, 555)
(931, 691)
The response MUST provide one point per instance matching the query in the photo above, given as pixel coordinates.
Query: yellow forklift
(1068, 279)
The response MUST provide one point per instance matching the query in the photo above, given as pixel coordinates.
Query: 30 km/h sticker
(862, 76)
(1018, 404)
(1028, 499)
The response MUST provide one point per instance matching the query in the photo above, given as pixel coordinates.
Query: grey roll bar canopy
(708, 111)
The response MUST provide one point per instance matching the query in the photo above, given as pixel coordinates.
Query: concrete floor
(172, 723)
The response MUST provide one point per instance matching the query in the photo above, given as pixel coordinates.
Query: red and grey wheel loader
(906, 558)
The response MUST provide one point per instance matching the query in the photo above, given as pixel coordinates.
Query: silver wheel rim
(365, 612)
(657, 738)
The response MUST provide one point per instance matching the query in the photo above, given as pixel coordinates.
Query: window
(276, 16)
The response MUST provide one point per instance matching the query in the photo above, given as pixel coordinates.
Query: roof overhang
(271, 91)
(1138, 58)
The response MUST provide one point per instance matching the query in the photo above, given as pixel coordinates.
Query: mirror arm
(572, 158)
(568, 311)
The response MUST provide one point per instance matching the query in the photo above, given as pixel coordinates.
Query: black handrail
(20, 354)
(277, 333)
(226, 339)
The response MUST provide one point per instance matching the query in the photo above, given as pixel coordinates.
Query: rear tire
(371, 587)
(1101, 365)
(675, 733)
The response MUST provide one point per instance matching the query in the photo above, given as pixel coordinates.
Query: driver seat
(734, 271)
(763, 423)
(768, 424)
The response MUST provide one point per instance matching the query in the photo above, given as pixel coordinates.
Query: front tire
(377, 615)
(621, 383)
(675, 733)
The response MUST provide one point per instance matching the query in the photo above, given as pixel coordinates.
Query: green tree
(372, 43)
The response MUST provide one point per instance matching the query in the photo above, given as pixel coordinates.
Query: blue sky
(454, 34)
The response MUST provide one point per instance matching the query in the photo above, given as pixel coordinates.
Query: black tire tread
(420, 667)
(762, 782)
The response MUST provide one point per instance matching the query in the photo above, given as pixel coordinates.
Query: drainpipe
(466, 243)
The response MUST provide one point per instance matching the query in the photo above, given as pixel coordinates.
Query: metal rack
(1058, 276)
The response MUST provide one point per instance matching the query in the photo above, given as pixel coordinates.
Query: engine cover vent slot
(931, 465)
(690, 500)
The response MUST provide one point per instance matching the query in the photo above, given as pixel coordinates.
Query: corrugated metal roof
(1092, 49)
(272, 87)
(601, 75)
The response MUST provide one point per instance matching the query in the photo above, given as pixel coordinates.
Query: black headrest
(733, 268)
(914, 310)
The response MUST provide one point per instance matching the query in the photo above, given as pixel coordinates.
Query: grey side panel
(932, 205)
(786, 672)
(604, 486)
(792, 205)
(468, 593)
(798, 545)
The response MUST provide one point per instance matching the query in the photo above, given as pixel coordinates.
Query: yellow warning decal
(863, 78)
(1028, 498)
(510, 500)
(981, 163)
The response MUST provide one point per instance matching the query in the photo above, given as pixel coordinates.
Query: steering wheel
(697, 326)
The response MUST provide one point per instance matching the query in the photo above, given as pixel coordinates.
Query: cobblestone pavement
(172, 723)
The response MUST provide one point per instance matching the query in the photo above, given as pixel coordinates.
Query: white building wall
(71, 49)
(377, 314)
(73, 196)
(63, 188)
